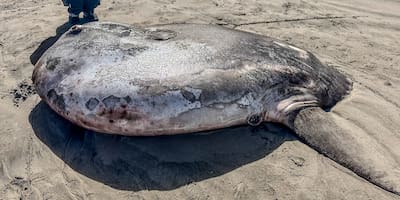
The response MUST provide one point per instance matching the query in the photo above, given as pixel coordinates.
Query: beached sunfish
(182, 78)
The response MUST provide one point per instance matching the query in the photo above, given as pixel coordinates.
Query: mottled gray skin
(174, 79)
(179, 78)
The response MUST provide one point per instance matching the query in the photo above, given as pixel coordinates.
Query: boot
(73, 20)
(90, 17)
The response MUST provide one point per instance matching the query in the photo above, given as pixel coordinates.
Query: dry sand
(42, 156)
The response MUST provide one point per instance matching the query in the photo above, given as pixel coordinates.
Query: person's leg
(88, 10)
(74, 9)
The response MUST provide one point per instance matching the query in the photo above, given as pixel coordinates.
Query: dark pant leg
(90, 5)
(75, 7)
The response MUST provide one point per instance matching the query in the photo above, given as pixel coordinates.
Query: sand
(42, 156)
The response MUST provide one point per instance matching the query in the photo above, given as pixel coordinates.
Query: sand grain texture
(42, 156)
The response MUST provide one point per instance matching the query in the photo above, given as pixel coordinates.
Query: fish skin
(179, 78)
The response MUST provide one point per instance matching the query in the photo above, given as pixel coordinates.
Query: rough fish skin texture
(179, 78)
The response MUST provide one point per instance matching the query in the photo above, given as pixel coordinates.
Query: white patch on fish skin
(280, 44)
(251, 103)
(219, 106)
(167, 60)
(246, 67)
(246, 100)
(302, 54)
(152, 29)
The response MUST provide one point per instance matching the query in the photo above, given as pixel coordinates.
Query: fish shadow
(158, 162)
(47, 43)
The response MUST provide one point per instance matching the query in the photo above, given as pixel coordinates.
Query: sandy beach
(43, 156)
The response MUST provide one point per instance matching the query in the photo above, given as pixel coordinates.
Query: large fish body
(179, 78)
(182, 78)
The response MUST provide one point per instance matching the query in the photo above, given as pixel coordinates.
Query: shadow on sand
(48, 42)
(153, 163)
